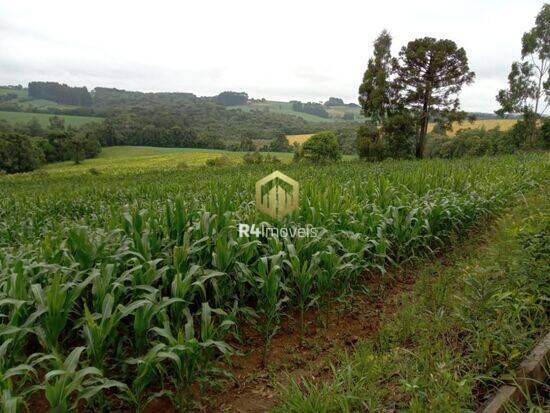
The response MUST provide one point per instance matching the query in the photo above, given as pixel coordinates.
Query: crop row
(115, 290)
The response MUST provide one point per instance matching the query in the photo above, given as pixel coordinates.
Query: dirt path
(255, 389)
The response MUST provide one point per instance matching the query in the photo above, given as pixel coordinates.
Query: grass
(137, 159)
(44, 118)
(125, 160)
(461, 332)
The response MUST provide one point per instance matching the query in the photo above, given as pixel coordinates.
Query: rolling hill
(44, 118)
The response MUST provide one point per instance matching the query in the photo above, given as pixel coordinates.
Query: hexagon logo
(277, 195)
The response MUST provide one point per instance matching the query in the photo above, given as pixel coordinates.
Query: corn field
(115, 290)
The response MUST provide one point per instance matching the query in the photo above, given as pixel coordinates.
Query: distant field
(135, 159)
(340, 111)
(292, 139)
(504, 124)
(124, 160)
(336, 112)
(44, 118)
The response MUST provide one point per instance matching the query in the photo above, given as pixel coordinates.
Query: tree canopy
(430, 73)
(60, 93)
(375, 92)
(528, 89)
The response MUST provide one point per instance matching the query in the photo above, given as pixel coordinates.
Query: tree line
(24, 148)
(312, 108)
(60, 93)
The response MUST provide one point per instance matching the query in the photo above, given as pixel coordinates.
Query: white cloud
(283, 49)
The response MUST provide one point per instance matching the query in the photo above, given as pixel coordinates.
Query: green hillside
(44, 118)
(335, 112)
(23, 99)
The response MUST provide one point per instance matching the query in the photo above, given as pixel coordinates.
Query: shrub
(369, 143)
(545, 132)
(18, 154)
(472, 142)
(322, 147)
(271, 159)
(219, 161)
(279, 144)
(254, 158)
(398, 132)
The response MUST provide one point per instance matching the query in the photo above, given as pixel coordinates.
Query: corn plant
(56, 305)
(301, 282)
(192, 355)
(66, 383)
(147, 368)
(112, 260)
(99, 330)
(12, 379)
(269, 294)
(145, 311)
(333, 276)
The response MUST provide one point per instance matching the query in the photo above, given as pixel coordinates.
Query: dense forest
(60, 93)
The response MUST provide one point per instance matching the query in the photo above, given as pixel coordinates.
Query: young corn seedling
(269, 293)
(145, 312)
(12, 381)
(301, 279)
(99, 330)
(147, 369)
(177, 220)
(66, 383)
(193, 356)
(87, 247)
(144, 232)
(189, 253)
(55, 305)
(331, 278)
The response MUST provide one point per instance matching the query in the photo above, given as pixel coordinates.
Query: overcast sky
(280, 49)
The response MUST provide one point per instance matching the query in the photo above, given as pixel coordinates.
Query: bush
(369, 143)
(219, 161)
(322, 147)
(395, 139)
(545, 132)
(254, 158)
(18, 154)
(398, 134)
(271, 159)
(279, 144)
(471, 143)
